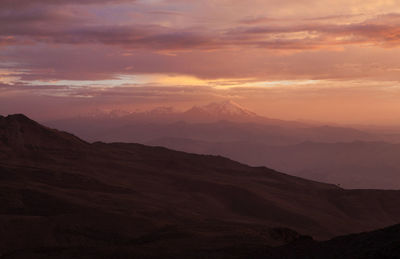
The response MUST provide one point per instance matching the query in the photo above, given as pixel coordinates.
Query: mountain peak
(230, 102)
(19, 131)
(162, 110)
(227, 108)
(14, 121)
(18, 117)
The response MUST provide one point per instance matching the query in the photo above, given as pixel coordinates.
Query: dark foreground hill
(64, 198)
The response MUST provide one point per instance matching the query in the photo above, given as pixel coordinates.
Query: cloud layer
(67, 48)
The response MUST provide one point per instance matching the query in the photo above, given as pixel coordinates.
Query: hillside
(62, 195)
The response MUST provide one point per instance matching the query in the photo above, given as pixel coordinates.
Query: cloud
(54, 40)
(45, 26)
(349, 101)
(17, 4)
(232, 42)
(382, 30)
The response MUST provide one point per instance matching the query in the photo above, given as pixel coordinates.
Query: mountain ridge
(130, 196)
(19, 132)
(211, 112)
(226, 110)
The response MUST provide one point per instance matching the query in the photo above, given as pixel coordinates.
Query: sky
(326, 60)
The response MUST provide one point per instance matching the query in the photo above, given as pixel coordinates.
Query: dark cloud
(49, 41)
(383, 30)
(17, 4)
(32, 26)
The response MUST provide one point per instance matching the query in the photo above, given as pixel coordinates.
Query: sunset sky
(327, 60)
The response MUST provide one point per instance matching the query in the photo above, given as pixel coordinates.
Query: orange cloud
(217, 48)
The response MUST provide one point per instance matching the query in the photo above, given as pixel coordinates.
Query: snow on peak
(227, 108)
(162, 110)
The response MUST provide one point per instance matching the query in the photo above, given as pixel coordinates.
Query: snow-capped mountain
(226, 110)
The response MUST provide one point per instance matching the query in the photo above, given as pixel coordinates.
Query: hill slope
(62, 193)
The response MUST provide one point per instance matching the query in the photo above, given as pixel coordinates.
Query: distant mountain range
(65, 198)
(365, 165)
(349, 157)
(227, 110)
(225, 121)
(210, 113)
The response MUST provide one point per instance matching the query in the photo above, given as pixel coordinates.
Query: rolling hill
(63, 197)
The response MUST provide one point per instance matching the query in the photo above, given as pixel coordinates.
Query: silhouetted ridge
(19, 132)
(64, 198)
(20, 117)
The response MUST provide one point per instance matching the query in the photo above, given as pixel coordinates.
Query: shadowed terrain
(63, 197)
